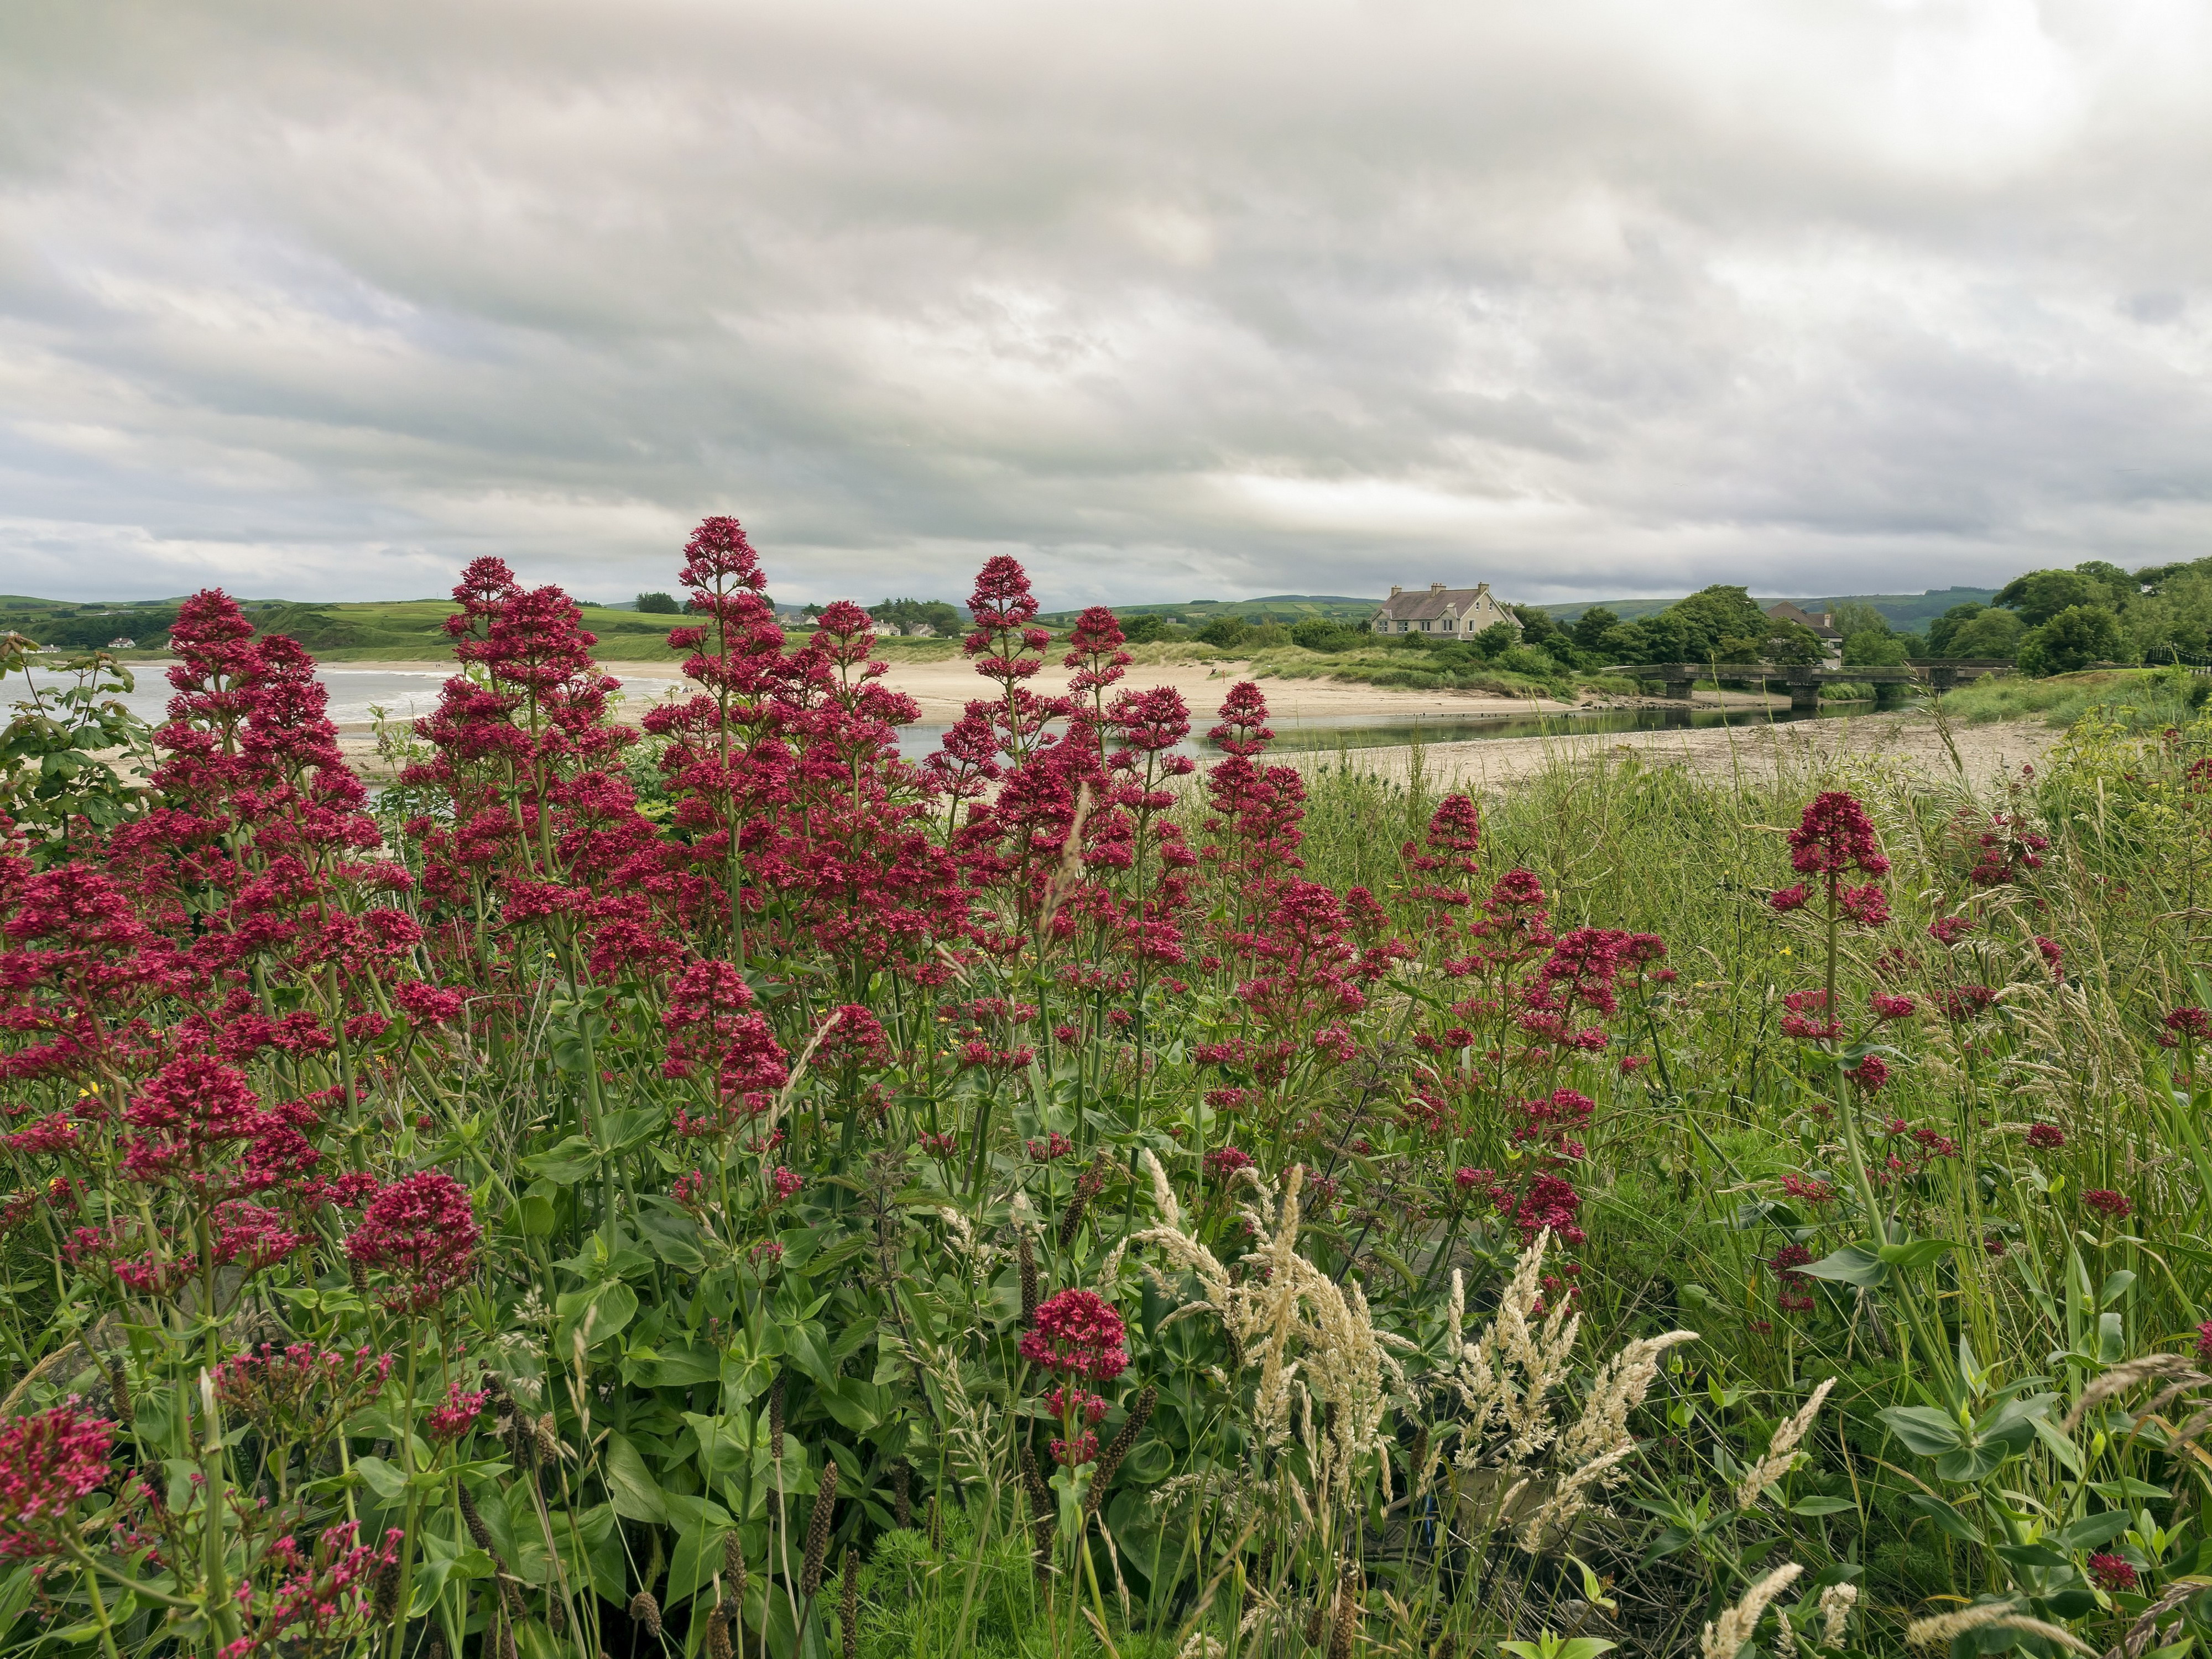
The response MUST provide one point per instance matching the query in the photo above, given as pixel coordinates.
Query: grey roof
(1425, 606)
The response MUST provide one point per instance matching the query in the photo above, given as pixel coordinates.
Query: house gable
(1451, 612)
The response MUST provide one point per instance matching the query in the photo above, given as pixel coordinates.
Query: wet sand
(1990, 754)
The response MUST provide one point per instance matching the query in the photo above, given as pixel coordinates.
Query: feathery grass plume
(1201, 1646)
(848, 1603)
(1725, 1637)
(1087, 1186)
(1617, 1389)
(646, 1611)
(901, 1494)
(1554, 1518)
(1283, 1302)
(1782, 1451)
(1347, 1615)
(1836, 1604)
(1027, 1251)
(1505, 1378)
(1940, 1630)
(775, 1420)
(817, 1531)
(2144, 1630)
(1102, 1475)
(2118, 1380)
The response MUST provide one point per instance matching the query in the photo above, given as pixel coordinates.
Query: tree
(1945, 627)
(1992, 635)
(659, 605)
(1858, 616)
(1496, 640)
(1227, 632)
(1537, 626)
(1319, 633)
(1873, 648)
(1713, 614)
(1592, 626)
(1147, 629)
(2076, 637)
(2042, 594)
(909, 615)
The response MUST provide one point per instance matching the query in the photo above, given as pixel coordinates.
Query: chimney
(1436, 588)
(1396, 590)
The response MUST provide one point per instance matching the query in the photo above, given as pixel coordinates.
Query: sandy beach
(943, 690)
(1990, 753)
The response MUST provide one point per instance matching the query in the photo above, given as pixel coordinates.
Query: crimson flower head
(2113, 1573)
(1791, 898)
(47, 1461)
(1835, 835)
(449, 1422)
(2106, 1202)
(1002, 598)
(2189, 1023)
(1949, 930)
(1078, 1333)
(2045, 1137)
(1456, 826)
(1887, 1006)
(422, 1230)
(1871, 1073)
(719, 557)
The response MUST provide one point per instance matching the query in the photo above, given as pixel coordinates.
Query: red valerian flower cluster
(1079, 1335)
(48, 1461)
(422, 1231)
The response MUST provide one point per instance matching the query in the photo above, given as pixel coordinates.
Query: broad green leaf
(631, 1489)
(564, 1164)
(1854, 1264)
(1822, 1506)
(1924, 1429)
(1918, 1253)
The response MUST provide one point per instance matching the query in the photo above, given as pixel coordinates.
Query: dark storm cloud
(1167, 299)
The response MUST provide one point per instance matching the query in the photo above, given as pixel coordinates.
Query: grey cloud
(1164, 299)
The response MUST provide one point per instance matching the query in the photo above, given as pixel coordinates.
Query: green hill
(1284, 608)
(1907, 612)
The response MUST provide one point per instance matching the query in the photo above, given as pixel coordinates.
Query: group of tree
(2056, 621)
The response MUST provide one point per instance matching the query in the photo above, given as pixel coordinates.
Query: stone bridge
(1806, 679)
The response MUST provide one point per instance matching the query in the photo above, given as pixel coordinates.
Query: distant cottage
(1462, 613)
(1821, 622)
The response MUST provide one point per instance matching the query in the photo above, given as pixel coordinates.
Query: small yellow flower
(1785, 949)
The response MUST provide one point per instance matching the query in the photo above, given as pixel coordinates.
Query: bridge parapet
(1806, 679)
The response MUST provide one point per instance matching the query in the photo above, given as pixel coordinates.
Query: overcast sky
(1174, 299)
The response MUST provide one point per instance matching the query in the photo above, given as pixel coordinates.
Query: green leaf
(696, 1558)
(1854, 1264)
(1822, 1506)
(673, 1235)
(2127, 1489)
(633, 1490)
(2092, 1530)
(681, 1367)
(1924, 1429)
(610, 1307)
(565, 1164)
(385, 1479)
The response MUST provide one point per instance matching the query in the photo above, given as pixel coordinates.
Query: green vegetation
(1259, 1216)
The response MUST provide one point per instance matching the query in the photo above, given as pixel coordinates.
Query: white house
(1457, 612)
